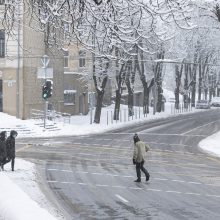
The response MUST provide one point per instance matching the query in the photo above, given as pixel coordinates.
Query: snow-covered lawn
(20, 196)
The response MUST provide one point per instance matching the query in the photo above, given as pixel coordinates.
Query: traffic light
(47, 89)
(49, 85)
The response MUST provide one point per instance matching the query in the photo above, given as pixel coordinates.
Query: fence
(138, 113)
(51, 115)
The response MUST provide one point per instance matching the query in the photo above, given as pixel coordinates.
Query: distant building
(21, 67)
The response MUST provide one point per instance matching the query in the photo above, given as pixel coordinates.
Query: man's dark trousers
(139, 168)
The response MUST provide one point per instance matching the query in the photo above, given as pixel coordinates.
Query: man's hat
(136, 138)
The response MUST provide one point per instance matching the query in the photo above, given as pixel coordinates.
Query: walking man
(140, 149)
(10, 148)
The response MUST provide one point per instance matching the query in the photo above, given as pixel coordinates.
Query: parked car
(203, 104)
(215, 101)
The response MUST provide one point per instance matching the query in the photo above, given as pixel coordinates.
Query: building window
(69, 97)
(66, 30)
(2, 43)
(2, 2)
(82, 58)
(66, 59)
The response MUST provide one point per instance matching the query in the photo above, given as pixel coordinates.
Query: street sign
(44, 74)
(45, 61)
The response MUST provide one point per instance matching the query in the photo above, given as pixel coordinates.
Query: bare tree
(101, 26)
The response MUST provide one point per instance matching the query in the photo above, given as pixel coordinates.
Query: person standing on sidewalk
(140, 149)
(3, 154)
(10, 148)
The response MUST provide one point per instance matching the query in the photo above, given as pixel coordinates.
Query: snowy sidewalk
(20, 196)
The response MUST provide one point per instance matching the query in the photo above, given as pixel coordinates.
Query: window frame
(2, 44)
(66, 59)
(82, 58)
(69, 97)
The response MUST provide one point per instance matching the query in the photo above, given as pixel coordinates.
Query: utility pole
(18, 63)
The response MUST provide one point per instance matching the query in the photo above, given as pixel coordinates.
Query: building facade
(21, 70)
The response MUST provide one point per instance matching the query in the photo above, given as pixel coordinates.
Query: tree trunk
(130, 100)
(159, 98)
(100, 95)
(146, 99)
(206, 93)
(200, 82)
(193, 99)
(185, 96)
(117, 105)
(177, 89)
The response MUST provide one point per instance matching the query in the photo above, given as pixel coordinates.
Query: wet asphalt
(92, 176)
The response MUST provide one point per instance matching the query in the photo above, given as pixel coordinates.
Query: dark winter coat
(10, 145)
(2, 150)
(2, 146)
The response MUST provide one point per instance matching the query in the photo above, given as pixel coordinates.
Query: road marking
(81, 172)
(198, 127)
(156, 190)
(52, 181)
(173, 192)
(160, 179)
(179, 181)
(97, 173)
(194, 183)
(82, 184)
(109, 174)
(67, 182)
(195, 194)
(213, 196)
(130, 176)
(102, 185)
(121, 198)
(68, 171)
(136, 188)
(123, 187)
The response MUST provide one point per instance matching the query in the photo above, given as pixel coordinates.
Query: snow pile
(15, 203)
(211, 144)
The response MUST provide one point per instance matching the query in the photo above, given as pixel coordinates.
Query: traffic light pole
(45, 61)
(45, 112)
